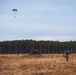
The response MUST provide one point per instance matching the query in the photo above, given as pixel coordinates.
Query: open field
(45, 64)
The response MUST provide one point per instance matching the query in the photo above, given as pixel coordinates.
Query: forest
(44, 47)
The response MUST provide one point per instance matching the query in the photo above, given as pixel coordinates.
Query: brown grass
(45, 64)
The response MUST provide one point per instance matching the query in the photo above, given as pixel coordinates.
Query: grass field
(45, 64)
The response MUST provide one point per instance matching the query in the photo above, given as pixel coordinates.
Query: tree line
(26, 46)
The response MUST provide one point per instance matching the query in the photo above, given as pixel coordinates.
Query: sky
(38, 20)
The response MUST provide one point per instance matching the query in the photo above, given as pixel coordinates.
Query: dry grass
(45, 64)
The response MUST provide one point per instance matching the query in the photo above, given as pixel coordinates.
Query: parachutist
(14, 16)
(14, 10)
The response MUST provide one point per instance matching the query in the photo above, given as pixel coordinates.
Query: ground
(42, 64)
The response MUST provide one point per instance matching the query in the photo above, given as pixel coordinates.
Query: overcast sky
(38, 20)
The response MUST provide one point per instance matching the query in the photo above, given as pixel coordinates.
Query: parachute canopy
(14, 10)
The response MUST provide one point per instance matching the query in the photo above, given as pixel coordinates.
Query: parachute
(14, 10)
